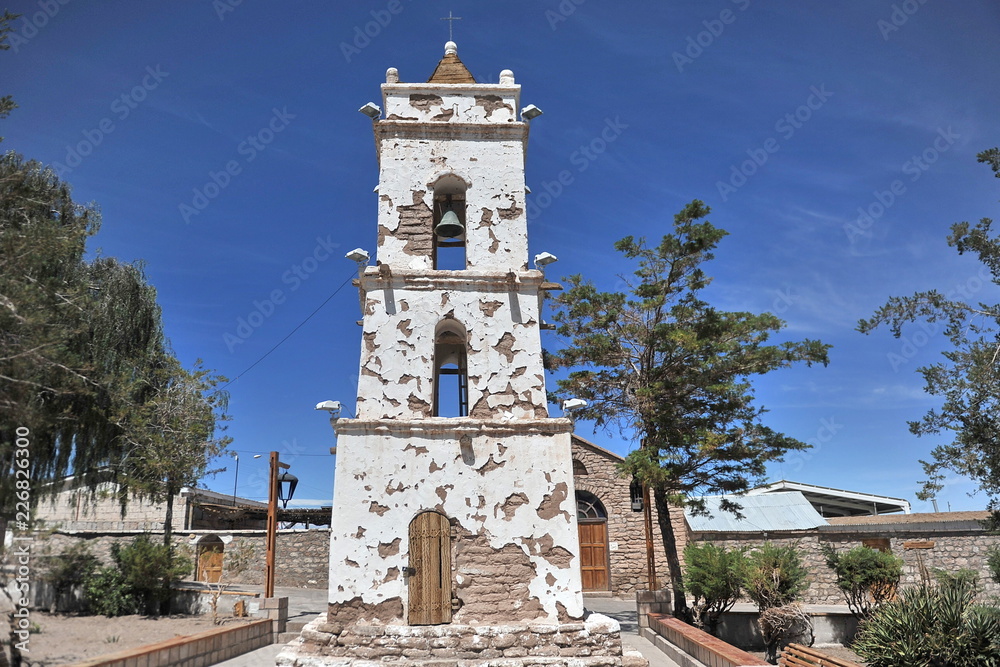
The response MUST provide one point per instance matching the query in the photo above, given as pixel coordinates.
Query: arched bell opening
(451, 370)
(449, 224)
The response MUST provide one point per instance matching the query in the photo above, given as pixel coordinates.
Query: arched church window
(588, 507)
(449, 224)
(451, 370)
(579, 468)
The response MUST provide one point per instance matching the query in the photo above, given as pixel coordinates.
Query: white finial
(450, 49)
(507, 78)
(392, 75)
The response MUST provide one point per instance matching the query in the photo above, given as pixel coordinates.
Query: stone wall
(596, 642)
(300, 559)
(953, 549)
(626, 529)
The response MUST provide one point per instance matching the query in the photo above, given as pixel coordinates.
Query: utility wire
(292, 332)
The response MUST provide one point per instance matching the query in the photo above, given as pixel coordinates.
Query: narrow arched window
(451, 371)
(449, 224)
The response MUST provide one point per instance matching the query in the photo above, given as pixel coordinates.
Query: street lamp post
(236, 482)
(272, 523)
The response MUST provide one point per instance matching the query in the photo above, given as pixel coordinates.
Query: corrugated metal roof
(766, 512)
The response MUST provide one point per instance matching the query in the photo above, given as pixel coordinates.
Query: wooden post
(650, 556)
(272, 526)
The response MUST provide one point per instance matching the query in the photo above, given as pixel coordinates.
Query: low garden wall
(200, 650)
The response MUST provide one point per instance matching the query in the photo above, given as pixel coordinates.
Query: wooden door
(594, 556)
(430, 570)
(210, 563)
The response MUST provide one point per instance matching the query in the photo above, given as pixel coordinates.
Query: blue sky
(223, 144)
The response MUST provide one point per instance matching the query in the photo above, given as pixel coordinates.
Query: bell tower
(453, 495)
(454, 532)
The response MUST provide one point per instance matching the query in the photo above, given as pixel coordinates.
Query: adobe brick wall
(625, 527)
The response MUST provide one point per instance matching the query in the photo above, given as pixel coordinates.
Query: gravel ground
(66, 639)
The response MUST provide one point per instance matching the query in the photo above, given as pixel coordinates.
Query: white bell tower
(451, 418)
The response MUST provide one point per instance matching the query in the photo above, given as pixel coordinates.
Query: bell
(450, 226)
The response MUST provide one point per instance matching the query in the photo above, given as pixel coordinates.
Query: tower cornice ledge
(481, 281)
(454, 426)
(415, 128)
(451, 87)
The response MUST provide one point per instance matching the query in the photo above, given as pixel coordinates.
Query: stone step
(286, 637)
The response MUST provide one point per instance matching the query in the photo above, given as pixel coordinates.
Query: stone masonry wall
(595, 643)
(626, 529)
(951, 551)
(300, 559)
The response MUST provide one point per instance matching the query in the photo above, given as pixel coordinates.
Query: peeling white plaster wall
(504, 345)
(451, 103)
(425, 470)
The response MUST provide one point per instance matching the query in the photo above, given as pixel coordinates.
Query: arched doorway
(210, 554)
(429, 581)
(592, 520)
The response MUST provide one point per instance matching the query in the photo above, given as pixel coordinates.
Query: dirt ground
(65, 639)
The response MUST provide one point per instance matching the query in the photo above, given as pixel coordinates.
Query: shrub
(867, 577)
(712, 577)
(67, 570)
(773, 576)
(993, 563)
(929, 626)
(108, 594)
(149, 568)
(139, 581)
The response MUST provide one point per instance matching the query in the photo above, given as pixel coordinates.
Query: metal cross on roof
(451, 19)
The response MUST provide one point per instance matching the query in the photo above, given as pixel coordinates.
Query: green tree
(867, 577)
(6, 102)
(170, 439)
(72, 333)
(967, 379)
(668, 369)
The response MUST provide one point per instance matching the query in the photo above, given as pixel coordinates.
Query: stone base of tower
(594, 642)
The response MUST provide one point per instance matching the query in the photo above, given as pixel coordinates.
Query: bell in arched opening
(450, 226)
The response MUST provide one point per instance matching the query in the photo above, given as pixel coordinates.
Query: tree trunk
(168, 523)
(168, 519)
(670, 548)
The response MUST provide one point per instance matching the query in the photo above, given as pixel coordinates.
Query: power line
(292, 332)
